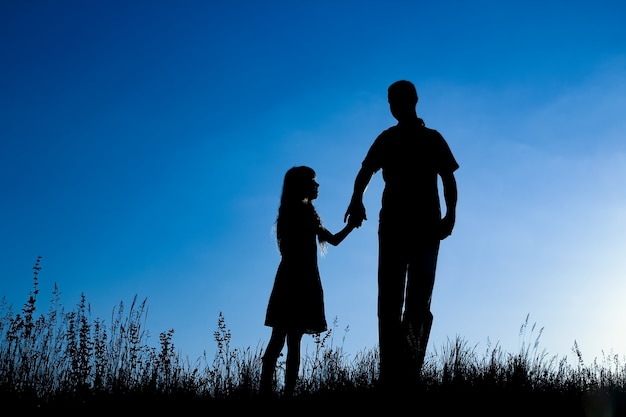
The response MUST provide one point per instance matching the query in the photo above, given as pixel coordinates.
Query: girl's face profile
(312, 191)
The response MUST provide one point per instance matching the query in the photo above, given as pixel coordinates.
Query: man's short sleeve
(376, 154)
(447, 161)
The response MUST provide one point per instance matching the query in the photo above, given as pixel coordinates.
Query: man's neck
(411, 121)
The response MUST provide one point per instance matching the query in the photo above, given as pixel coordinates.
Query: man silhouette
(412, 158)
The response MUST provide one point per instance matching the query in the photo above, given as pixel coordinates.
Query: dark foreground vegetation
(65, 361)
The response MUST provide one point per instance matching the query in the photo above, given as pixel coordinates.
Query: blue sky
(144, 145)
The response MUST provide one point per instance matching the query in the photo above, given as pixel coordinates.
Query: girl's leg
(272, 352)
(292, 366)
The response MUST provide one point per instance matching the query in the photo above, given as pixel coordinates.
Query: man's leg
(417, 315)
(391, 283)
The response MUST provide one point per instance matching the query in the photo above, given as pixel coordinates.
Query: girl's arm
(336, 238)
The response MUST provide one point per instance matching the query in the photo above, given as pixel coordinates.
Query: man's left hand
(446, 226)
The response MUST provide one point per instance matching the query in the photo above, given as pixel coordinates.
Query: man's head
(402, 92)
(402, 97)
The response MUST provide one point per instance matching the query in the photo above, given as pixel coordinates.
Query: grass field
(62, 360)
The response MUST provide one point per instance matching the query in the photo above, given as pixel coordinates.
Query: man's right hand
(355, 213)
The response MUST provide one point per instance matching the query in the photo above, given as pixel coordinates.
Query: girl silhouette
(296, 303)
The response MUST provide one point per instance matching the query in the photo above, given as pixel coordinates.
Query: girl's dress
(296, 302)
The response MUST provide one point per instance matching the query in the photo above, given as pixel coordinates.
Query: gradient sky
(144, 143)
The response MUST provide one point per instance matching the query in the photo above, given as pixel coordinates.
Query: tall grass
(65, 357)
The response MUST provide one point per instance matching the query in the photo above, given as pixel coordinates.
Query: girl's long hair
(296, 185)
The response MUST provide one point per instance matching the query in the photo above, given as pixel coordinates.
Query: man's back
(410, 156)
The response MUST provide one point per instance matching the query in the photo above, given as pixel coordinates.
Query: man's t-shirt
(411, 158)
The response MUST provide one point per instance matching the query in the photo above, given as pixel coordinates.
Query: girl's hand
(355, 213)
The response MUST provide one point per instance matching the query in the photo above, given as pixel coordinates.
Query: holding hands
(355, 214)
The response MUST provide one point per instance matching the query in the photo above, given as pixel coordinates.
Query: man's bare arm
(356, 209)
(450, 195)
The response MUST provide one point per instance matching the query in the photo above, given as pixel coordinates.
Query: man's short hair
(402, 91)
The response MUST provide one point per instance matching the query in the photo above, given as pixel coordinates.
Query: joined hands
(355, 215)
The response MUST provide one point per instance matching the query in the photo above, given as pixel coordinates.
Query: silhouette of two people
(412, 158)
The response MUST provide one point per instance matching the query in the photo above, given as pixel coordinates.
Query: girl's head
(299, 190)
(299, 185)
